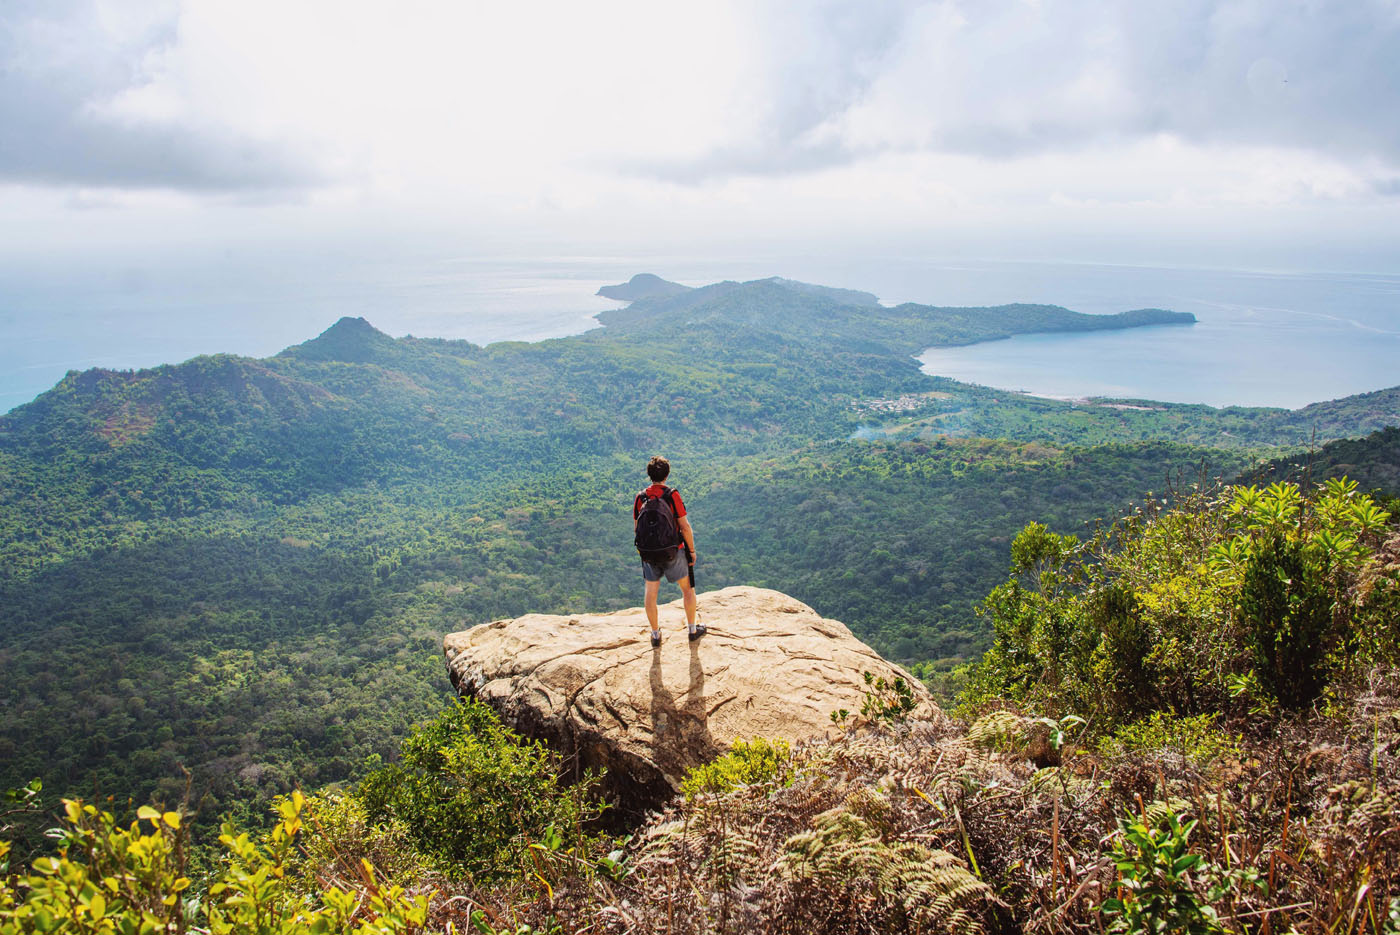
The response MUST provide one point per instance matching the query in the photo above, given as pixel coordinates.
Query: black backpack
(658, 535)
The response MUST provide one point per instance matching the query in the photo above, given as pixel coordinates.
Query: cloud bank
(756, 114)
(1001, 79)
(73, 73)
(218, 95)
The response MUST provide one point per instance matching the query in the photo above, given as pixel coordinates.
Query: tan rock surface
(592, 685)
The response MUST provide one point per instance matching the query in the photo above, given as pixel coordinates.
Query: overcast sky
(1244, 131)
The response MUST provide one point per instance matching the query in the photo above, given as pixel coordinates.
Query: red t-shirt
(656, 490)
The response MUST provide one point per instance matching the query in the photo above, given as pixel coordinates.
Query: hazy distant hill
(802, 314)
(845, 296)
(642, 286)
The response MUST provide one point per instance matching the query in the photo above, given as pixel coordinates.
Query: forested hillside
(1373, 462)
(244, 566)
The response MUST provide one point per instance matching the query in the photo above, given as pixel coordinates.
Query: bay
(1261, 339)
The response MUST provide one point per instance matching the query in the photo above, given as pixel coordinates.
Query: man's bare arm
(687, 535)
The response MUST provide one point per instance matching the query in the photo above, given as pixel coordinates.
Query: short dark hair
(658, 468)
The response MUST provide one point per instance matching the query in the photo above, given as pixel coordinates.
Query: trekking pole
(690, 567)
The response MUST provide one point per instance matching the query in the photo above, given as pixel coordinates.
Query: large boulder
(592, 686)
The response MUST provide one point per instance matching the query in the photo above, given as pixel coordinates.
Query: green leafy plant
(1155, 886)
(1238, 599)
(614, 865)
(888, 701)
(1245, 686)
(1292, 562)
(19, 801)
(106, 878)
(16, 805)
(1059, 731)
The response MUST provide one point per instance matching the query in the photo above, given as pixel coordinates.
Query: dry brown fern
(906, 885)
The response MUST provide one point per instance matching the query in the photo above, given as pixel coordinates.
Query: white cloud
(469, 96)
(621, 119)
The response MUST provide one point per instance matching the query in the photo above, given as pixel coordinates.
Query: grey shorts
(678, 569)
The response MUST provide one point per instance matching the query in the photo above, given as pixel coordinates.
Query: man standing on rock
(666, 544)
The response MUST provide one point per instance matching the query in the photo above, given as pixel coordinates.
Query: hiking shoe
(655, 637)
(695, 634)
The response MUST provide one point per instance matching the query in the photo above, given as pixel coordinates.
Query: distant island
(808, 308)
(650, 286)
(805, 312)
(642, 286)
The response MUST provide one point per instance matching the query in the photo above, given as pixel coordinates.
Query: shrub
(746, 763)
(1195, 739)
(1293, 564)
(1182, 609)
(110, 878)
(473, 795)
(1286, 616)
(344, 839)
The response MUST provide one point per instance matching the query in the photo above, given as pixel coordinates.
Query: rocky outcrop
(592, 685)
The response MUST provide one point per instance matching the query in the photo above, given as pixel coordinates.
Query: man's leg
(652, 588)
(688, 595)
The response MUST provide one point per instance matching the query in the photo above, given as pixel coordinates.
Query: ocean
(1263, 338)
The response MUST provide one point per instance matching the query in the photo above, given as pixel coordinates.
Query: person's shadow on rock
(681, 732)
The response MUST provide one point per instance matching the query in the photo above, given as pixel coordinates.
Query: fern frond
(998, 730)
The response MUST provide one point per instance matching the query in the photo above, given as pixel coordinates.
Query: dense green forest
(244, 567)
(284, 648)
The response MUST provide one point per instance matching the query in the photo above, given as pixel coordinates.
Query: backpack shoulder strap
(667, 493)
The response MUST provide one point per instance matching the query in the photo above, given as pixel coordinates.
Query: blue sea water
(1263, 338)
